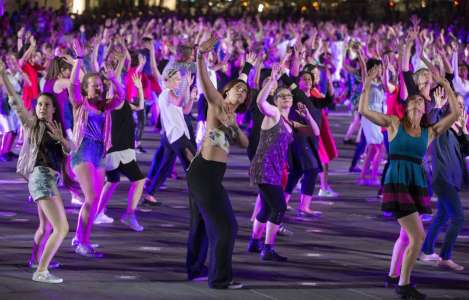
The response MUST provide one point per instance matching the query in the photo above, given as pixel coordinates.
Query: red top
(394, 107)
(30, 92)
(149, 84)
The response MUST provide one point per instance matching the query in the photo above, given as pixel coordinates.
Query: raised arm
(447, 121)
(137, 79)
(248, 65)
(74, 90)
(189, 101)
(14, 99)
(154, 66)
(379, 119)
(27, 54)
(119, 95)
(265, 107)
(211, 94)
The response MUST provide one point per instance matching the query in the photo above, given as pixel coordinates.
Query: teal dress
(405, 183)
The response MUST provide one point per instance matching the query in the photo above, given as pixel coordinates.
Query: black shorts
(130, 170)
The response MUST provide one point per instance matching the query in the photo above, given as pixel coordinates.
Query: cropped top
(222, 137)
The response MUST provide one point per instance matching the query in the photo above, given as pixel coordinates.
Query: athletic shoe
(77, 201)
(46, 277)
(140, 149)
(234, 285)
(409, 292)
(450, 265)
(131, 221)
(102, 218)
(87, 251)
(303, 214)
(429, 257)
(75, 243)
(283, 231)
(269, 254)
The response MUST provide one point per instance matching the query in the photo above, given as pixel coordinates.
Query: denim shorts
(91, 151)
(42, 183)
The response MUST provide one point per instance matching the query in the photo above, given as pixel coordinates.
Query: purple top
(271, 155)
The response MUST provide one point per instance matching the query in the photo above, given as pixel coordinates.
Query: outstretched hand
(208, 45)
(302, 110)
(55, 131)
(77, 48)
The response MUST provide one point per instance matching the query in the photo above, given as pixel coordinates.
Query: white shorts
(372, 132)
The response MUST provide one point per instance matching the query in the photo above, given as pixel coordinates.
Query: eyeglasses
(284, 96)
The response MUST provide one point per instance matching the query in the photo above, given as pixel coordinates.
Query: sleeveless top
(271, 155)
(405, 182)
(94, 127)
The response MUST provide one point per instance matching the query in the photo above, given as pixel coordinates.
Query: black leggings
(140, 126)
(307, 183)
(212, 223)
(273, 205)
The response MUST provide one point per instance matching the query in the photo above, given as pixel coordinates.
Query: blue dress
(405, 183)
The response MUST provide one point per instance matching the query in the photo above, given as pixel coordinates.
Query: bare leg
(370, 154)
(90, 180)
(257, 208)
(54, 210)
(39, 236)
(397, 254)
(257, 229)
(353, 127)
(376, 162)
(412, 224)
(135, 193)
(106, 195)
(271, 233)
(324, 176)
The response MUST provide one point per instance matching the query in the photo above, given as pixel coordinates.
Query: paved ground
(343, 255)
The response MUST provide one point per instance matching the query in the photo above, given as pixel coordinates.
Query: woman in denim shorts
(41, 161)
(91, 139)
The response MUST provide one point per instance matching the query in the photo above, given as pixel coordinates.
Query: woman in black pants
(212, 218)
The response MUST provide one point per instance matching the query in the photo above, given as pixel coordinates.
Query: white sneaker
(102, 218)
(46, 277)
(327, 193)
(76, 201)
(430, 257)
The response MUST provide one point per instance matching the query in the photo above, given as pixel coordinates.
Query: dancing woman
(405, 186)
(91, 139)
(268, 162)
(211, 212)
(41, 162)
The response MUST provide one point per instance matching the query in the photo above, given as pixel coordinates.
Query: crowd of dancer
(76, 102)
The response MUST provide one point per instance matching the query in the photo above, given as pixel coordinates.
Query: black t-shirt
(50, 153)
(123, 129)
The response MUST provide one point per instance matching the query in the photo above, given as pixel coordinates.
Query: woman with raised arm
(405, 185)
(41, 162)
(91, 140)
(212, 219)
(268, 163)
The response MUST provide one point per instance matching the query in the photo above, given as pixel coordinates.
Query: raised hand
(440, 97)
(208, 44)
(251, 58)
(137, 80)
(276, 71)
(302, 110)
(141, 60)
(55, 131)
(77, 48)
(372, 74)
(109, 73)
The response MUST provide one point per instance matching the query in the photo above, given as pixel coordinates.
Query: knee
(63, 229)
